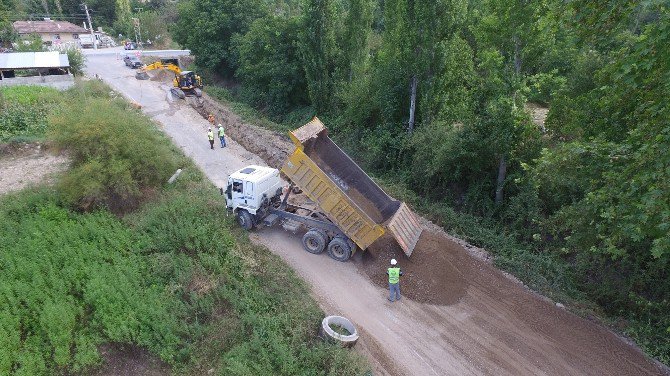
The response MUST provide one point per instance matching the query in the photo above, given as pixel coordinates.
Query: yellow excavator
(185, 83)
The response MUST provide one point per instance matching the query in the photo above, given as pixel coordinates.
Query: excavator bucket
(142, 75)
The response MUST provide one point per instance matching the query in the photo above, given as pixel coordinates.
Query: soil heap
(434, 274)
(162, 76)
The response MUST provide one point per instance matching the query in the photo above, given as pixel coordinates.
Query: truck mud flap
(405, 228)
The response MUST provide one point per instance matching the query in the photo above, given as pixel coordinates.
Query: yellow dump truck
(349, 210)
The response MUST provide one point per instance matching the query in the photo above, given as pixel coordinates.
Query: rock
(560, 305)
(174, 177)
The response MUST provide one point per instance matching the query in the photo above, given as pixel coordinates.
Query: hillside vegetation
(431, 96)
(112, 254)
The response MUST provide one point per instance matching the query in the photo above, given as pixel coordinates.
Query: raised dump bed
(345, 193)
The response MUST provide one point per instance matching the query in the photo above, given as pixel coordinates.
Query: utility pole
(138, 31)
(90, 26)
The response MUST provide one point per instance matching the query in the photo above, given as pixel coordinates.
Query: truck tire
(339, 249)
(245, 219)
(314, 241)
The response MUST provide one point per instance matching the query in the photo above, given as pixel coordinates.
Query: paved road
(497, 328)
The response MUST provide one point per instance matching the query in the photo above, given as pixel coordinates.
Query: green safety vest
(210, 135)
(394, 275)
(221, 132)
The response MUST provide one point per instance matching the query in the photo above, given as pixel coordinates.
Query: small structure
(53, 33)
(35, 68)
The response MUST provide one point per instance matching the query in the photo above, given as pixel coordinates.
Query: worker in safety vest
(222, 136)
(210, 136)
(394, 281)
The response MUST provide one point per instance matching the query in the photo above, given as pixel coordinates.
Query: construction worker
(210, 136)
(222, 136)
(394, 274)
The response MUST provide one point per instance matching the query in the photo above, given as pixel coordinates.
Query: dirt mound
(434, 274)
(272, 147)
(162, 76)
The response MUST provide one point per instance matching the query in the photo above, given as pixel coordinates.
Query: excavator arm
(142, 72)
(186, 83)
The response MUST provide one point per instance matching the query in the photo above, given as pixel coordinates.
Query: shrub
(117, 158)
(76, 284)
(77, 60)
(24, 111)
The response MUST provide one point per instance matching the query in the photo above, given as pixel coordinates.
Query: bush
(24, 111)
(76, 284)
(77, 61)
(117, 159)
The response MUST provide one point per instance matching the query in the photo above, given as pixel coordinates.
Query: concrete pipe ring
(343, 339)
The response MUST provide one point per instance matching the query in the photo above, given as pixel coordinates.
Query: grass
(243, 110)
(175, 275)
(339, 330)
(23, 112)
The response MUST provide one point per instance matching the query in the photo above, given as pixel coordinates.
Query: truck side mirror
(229, 191)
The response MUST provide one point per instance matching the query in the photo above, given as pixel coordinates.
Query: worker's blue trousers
(394, 291)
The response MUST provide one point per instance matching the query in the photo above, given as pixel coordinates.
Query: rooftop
(28, 60)
(50, 26)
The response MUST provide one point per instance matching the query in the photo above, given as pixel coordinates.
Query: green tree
(269, 65)
(154, 28)
(77, 60)
(206, 27)
(318, 51)
(354, 44)
(412, 30)
(122, 10)
(7, 33)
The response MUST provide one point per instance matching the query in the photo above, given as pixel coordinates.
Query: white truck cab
(252, 188)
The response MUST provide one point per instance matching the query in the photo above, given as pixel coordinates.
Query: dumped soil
(434, 274)
(272, 147)
(161, 76)
(130, 360)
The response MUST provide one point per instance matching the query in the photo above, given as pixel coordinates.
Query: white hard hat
(393, 262)
(209, 129)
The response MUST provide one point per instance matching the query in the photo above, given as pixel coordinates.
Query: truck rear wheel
(339, 249)
(314, 241)
(245, 220)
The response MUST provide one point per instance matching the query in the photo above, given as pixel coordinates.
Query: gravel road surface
(497, 327)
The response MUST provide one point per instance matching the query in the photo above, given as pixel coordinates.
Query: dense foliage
(433, 95)
(176, 276)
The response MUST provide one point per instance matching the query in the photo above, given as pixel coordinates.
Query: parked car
(130, 46)
(132, 61)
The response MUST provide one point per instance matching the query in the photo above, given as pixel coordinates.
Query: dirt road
(490, 326)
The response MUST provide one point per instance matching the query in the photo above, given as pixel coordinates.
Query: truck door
(238, 192)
